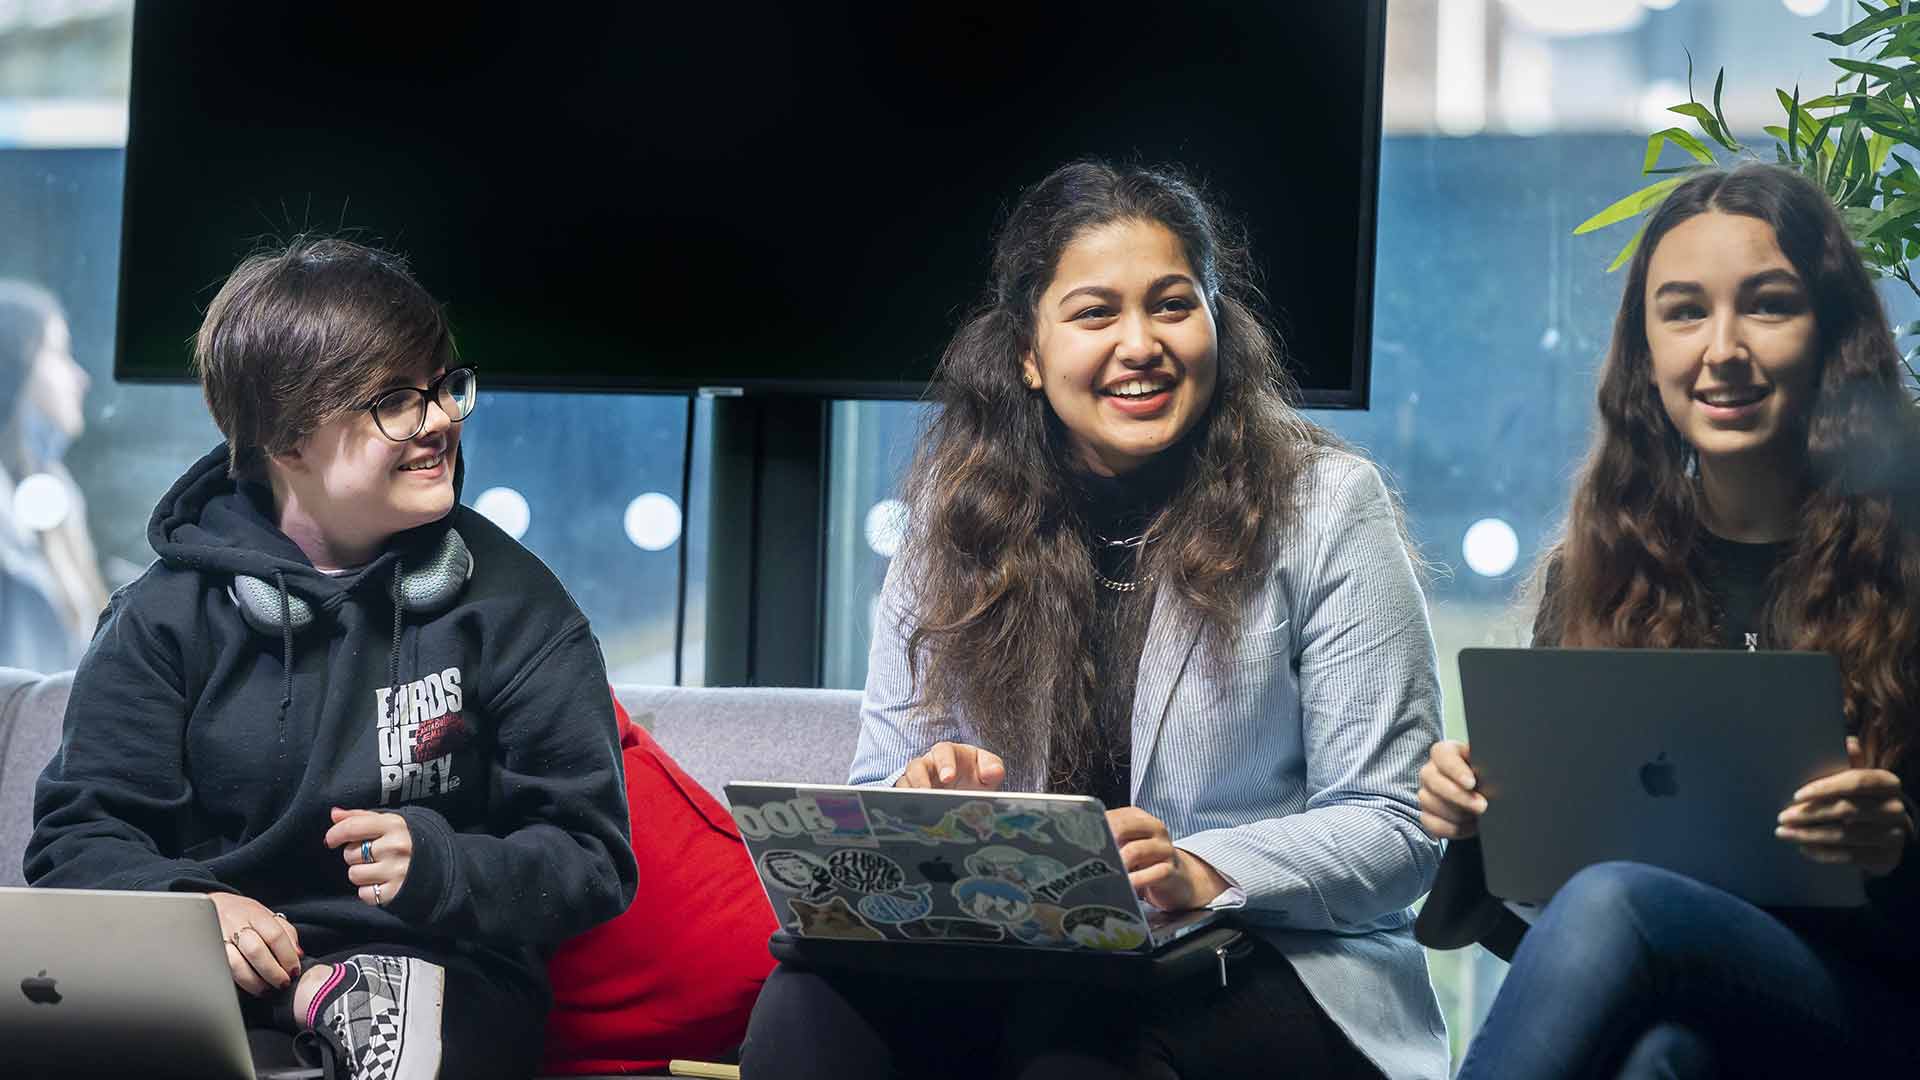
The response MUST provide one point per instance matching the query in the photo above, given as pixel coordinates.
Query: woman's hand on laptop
(263, 949)
(1450, 808)
(1165, 876)
(1857, 816)
(957, 766)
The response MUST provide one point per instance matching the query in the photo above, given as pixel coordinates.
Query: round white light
(506, 508)
(1658, 5)
(653, 522)
(886, 527)
(41, 502)
(1490, 547)
(1653, 103)
(1806, 8)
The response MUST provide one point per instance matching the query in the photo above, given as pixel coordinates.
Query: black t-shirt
(1737, 577)
(1119, 509)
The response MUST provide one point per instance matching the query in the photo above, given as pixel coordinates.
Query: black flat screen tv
(779, 197)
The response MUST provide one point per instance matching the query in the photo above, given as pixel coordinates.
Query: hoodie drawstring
(393, 656)
(286, 645)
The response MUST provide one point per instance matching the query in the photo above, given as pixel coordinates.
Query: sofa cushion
(674, 976)
(760, 733)
(32, 709)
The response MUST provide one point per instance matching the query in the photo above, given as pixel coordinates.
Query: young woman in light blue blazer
(1134, 571)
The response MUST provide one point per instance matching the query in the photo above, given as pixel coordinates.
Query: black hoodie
(195, 759)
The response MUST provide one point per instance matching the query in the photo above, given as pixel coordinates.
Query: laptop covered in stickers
(874, 878)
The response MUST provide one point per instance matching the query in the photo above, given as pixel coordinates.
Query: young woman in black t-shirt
(1744, 491)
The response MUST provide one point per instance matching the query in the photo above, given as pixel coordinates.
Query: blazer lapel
(1171, 634)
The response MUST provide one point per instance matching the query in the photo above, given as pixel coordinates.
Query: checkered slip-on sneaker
(378, 1018)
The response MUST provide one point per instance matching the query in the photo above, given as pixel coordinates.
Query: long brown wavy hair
(1628, 571)
(1002, 596)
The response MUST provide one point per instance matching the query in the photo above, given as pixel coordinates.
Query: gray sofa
(715, 734)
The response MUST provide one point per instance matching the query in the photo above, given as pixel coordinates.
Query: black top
(1884, 935)
(197, 758)
(1118, 509)
(1737, 577)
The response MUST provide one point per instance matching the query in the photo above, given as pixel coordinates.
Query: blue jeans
(1636, 971)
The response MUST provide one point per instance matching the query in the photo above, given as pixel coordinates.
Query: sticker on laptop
(1083, 830)
(833, 919)
(910, 904)
(993, 900)
(1057, 887)
(1044, 926)
(969, 823)
(828, 819)
(865, 871)
(1012, 864)
(1104, 929)
(800, 872)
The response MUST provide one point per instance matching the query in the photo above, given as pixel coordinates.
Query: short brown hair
(304, 333)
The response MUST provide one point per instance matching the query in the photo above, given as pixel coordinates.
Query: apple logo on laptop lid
(1660, 778)
(40, 990)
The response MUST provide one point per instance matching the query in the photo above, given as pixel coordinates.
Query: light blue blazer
(1291, 768)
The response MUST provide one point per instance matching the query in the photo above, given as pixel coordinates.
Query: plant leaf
(1626, 253)
(1793, 125)
(1878, 72)
(1679, 137)
(1878, 147)
(1639, 202)
(1704, 117)
(1869, 26)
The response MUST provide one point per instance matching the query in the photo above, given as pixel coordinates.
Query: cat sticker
(833, 919)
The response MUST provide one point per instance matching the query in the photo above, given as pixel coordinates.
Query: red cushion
(675, 975)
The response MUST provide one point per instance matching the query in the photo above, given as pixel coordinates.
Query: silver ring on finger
(366, 851)
(377, 902)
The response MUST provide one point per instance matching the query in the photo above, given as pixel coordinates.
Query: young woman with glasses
(367, 723)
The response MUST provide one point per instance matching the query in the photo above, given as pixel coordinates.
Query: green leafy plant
(1854, 142)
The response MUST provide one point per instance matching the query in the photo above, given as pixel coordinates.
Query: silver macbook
(1679, 758)
(956, 867)
(96, 984)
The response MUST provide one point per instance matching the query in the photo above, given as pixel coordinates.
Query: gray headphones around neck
(425, 590)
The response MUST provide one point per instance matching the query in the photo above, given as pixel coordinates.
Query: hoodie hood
(210, 522)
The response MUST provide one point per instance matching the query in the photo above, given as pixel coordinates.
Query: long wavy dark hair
(1002, 600)
(1628, 571)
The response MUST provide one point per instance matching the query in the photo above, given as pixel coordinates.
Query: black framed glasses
(401, 413)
